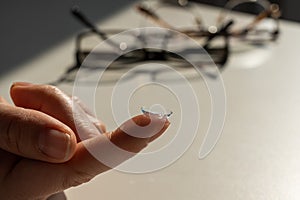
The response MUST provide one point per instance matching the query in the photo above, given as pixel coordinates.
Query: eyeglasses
(216, 39)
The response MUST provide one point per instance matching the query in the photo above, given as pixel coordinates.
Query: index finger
(101, 153)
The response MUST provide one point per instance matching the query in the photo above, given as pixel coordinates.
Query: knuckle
(15, 130)
(11, 136)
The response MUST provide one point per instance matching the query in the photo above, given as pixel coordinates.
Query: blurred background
(28, 28)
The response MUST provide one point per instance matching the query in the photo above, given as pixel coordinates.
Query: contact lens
(159, 113)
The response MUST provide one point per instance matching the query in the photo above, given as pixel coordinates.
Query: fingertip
(145, 119)
(158, 125)
(136, 136)
(163, 129)
(20, 84)
(14, 90)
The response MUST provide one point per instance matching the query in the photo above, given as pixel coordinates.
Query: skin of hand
(41, 152)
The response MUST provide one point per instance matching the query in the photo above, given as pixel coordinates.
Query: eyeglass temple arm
(80, 16)
(154, 17)
(84, 20)
(274, 11)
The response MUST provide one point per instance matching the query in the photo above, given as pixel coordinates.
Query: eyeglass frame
(222, 32)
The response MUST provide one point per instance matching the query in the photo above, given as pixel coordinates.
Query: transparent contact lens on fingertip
(159, 113)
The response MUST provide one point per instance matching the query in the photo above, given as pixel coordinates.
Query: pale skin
(27, 156)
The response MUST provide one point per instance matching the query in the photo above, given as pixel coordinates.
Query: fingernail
(55, 144)
(21, 84)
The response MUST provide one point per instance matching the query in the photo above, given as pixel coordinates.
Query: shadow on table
(31, 27)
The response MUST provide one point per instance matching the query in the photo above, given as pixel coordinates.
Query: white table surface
(257, 156)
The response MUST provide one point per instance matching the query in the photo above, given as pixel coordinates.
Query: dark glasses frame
(218, 54)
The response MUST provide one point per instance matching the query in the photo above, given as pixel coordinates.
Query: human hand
(41, 152)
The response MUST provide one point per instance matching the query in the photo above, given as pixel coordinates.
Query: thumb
(35, 135)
